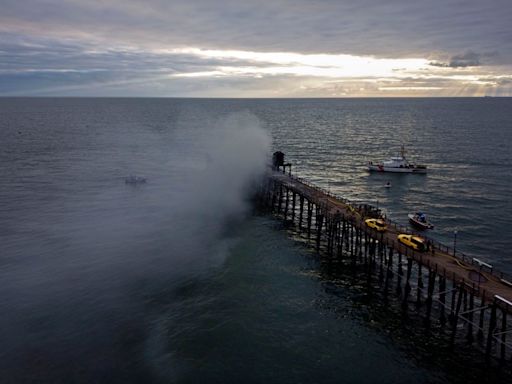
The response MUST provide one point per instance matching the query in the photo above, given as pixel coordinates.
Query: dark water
(175, 281)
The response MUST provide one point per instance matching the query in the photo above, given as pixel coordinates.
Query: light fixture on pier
(454, 241)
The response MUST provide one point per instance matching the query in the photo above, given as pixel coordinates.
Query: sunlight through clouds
(390, 76)
(321, 65)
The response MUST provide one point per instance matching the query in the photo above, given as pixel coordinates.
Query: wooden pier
(465, 295)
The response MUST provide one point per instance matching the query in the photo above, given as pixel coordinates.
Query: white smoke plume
(100, 246)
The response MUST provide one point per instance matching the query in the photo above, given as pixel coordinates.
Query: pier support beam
(301, 210)
(471, 310)
(273, 204)
(293, 206)
(442, 300)
(420, 285)
(503, 334)
(400, 275)
(286, 204)
(480, 333)
(455, 317)
(490, 331)
(407, 288)
(280, 198)
(319, 223)
(310, 215)
(430, 292)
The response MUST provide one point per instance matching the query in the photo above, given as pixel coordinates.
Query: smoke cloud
(79, 283)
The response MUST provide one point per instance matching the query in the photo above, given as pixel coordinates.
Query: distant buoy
(388, 185)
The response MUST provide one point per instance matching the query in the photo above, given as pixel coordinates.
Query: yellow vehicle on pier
(415, 242)
(378, 224)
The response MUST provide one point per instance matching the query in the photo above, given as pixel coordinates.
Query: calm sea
(176, 280)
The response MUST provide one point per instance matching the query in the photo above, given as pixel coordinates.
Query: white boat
(398, 164)
(420, 220)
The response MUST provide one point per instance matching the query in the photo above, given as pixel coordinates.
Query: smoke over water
(84, 252)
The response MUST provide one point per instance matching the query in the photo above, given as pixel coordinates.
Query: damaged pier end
(469, 297)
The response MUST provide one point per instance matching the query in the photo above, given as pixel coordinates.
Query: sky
(250, 48)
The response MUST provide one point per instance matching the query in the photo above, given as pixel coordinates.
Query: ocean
(178, 280)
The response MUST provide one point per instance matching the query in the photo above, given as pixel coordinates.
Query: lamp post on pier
(454, 241)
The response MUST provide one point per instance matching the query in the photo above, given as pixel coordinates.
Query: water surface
(174, 280)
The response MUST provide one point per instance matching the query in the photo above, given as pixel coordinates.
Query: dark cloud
(497, 81)
(504, 81)
(469, 59)
(384, 28)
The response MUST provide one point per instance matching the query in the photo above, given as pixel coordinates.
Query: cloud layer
(246, 48)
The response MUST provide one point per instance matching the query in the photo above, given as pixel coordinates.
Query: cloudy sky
(251, 48)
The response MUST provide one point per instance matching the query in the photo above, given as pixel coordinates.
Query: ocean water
(176, 279)
(466, 144)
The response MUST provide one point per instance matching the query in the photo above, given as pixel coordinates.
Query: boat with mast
(397, 164)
